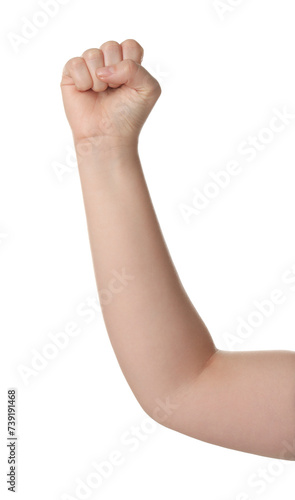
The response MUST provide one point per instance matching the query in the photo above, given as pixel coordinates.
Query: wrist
(103, 163)
(103, 148)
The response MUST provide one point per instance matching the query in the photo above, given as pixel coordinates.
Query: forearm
(159, 339)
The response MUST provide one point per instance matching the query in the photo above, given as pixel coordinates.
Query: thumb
(131, 74)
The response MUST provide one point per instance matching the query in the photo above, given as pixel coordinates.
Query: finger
(76, 73)
(131, 49)
(133, 75)
(94, 59)
(112, 53)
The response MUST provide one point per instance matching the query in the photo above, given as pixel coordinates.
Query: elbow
(162, 410)
(168, 408)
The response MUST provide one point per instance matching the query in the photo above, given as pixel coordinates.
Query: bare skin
(239, 400)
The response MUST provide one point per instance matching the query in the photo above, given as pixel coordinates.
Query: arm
(244, 401)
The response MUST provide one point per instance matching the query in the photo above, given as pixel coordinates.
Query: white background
(221, 78)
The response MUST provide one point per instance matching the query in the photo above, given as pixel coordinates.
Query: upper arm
(243, 401)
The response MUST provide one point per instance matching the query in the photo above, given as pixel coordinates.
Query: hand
(108, 109)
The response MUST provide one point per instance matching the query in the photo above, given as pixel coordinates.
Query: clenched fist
(107, 94)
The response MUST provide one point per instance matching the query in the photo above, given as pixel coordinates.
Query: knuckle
(92, 53)
(133, 44)
(130, 42)
(109, 44)
(65, 70)
(75, 62)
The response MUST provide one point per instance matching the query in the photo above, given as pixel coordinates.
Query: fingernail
(106, 71)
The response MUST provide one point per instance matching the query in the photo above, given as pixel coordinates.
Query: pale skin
(244, 401)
